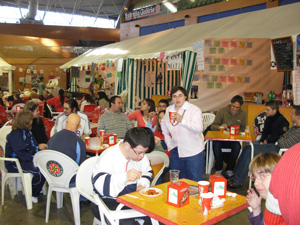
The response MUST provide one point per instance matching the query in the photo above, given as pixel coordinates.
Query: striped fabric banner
(188, 69)
(170, 78)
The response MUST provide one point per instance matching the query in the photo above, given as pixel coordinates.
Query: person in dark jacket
(22, 145)
(38, 127)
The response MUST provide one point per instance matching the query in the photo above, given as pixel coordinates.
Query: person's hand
(157, 140)
(176, 116)
(263, 142)
(42, 146)
(133, 174)
(224, 125)
(152, 114)
(254, 201)
(139, 187)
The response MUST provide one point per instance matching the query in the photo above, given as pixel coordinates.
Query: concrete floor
(14, 211)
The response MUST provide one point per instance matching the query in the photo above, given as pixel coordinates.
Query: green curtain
(188, 69)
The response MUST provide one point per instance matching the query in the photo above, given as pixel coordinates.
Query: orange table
(225, 136)
(158, 209)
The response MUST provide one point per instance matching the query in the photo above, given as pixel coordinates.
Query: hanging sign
(283, 49)
(143, 12)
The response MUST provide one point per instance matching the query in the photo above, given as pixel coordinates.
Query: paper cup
(170, 114)
(174, 175)
(102, 133)
(203, 187)
(87, 141)
(206, 202)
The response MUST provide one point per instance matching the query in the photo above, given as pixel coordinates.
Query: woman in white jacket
(182, 126)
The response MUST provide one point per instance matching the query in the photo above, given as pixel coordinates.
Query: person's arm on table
(218, 121)
(101, 124)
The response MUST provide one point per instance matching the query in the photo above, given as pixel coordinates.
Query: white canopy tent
(270, 23)
(6, 68)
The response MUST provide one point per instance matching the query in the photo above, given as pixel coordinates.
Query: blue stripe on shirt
(78, 152)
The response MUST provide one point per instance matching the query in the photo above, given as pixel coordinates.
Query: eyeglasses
(259, 177)
(138, 153)
(178, 96)
(233, 106)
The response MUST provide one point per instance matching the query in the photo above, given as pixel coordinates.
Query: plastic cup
(247, 131)
(203, 187)
(170, 114)
(206, 202)
(174, 175)
(102, 133)
(221, 129)
(87, 141)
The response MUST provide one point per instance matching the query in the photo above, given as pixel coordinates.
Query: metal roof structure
(107, 9)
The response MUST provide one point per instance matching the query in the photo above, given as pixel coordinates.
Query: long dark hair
(62, 97)
(151, 103)
(89, 99)
(158, 126)
(101, 95)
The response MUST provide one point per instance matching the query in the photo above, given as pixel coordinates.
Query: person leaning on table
(183, 136)
(123, 168)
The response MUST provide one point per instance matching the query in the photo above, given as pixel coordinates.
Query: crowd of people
(174, 129)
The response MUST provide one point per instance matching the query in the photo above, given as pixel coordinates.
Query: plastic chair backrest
(18, 107)
(282, 151)
(208, 118)
(89, 111)
(157, 158)
(57, 168)
(94, 132)
(96, 114)
(84, 178)
(105, 210)
(4, 131)
(3, 116)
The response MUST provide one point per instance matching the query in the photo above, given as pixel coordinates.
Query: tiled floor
(14, 212)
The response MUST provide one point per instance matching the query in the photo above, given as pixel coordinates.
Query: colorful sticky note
(247, 80)
(239, 79)
(219, 85)
(212, 68)
(217, 60)
(108, 75)
(242, 44)
(221, 68)
(208, 60)
(249, 62)
(242, 62)
(205, 77)
(208, 43)
(214, 78)
(221, 50)
(212, 50)
(225, 61)
(233, 62)
(210, 85)
(233, 44)
(162, 55)
(231, 78)
(222, 78)
(249, 45)
(217, 43)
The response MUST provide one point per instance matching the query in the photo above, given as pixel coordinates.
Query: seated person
(123, 168)
(58, 101)
(146, 116)
(38, 127)
(17, 99)
(103, 100)
(86, 100)
(274, 126)
(71, 106)
(46, 95)
(162, 105)
(113, 121)
(261, 168)
(228, 116)
(66, 141)
(158, 135)
(22, 145)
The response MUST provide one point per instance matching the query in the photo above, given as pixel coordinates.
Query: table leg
(154, 222)
(252, 155)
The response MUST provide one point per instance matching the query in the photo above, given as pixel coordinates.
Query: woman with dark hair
(17, 99)
(182, 126)
(58, 101)
(38, 127)
(86, 100)
(103, 100)
(146, 116)
(22, 145)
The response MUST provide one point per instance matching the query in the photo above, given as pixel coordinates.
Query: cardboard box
(178, 194)
(235, 130)
(219, 185)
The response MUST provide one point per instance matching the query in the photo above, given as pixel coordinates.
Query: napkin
(231, 194)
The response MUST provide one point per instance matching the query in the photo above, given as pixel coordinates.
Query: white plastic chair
(156, 158)
(53, 114)
(26, 179)
(58, 169)
(18, 106)
(84, 181)
(207, 119)
(282, 150)
(114, 216)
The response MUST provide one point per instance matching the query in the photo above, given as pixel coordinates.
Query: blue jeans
(235, 151)
(190, 167)
(242, 167)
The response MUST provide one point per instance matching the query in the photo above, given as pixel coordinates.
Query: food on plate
(151, 192)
